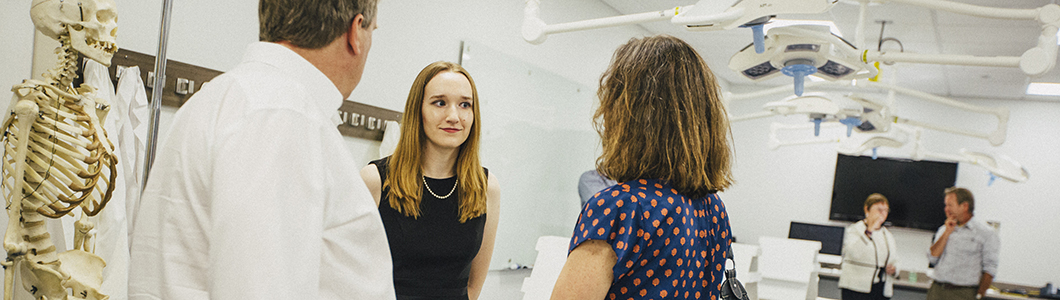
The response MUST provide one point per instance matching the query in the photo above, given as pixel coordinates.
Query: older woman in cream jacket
(869, 254)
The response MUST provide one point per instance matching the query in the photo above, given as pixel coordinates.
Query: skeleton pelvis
(79, 271)
(86, 274)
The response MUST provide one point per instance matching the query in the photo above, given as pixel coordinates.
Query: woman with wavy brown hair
(438, 204)
(662, 232)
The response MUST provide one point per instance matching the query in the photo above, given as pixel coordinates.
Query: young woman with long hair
(438, 204)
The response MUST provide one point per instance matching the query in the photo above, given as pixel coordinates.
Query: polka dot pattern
(668, 246)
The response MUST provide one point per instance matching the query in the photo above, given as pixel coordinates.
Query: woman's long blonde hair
(404, 177)
(661, 117)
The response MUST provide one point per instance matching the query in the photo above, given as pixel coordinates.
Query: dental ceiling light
(871, 124)
(851, 110)
(705, 15)
(868, 116)
(799, 51)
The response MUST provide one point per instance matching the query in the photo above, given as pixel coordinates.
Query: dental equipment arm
(704, 15)
(535, 31)
(1034, 62)
(881, 114)
(775, 142)
(999, 166)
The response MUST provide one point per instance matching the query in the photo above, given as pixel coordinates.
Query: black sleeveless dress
(432, 254)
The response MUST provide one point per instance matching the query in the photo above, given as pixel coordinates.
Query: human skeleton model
(57, 156)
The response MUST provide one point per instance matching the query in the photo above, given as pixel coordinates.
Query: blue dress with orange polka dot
(668, 246)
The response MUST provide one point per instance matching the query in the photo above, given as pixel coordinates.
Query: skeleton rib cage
(64, 159)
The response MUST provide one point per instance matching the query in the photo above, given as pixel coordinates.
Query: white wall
(794, 183)
(16, 32)
(413, 34)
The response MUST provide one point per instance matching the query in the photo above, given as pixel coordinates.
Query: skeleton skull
(91, 24)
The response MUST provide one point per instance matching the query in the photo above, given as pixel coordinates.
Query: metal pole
(156, 92)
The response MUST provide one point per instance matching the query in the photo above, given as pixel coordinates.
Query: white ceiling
(920, 30)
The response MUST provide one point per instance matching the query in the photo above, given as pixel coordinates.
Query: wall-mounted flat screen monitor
(914, 189)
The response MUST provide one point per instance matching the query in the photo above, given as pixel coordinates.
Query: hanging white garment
(112, 231)
(391, 136)
(131, 104)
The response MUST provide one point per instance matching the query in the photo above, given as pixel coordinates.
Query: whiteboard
(537, 138)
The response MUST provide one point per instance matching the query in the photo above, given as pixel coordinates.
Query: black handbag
(732, 289)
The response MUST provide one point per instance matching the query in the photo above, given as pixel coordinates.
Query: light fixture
(1043, 88)
(781, 23)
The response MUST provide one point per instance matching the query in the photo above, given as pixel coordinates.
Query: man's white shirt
(254, 195)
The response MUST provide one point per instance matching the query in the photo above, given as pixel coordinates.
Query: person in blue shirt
(590, 183)
(964, 251)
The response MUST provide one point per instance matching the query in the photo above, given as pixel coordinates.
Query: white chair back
(789, 268)
(551, 255)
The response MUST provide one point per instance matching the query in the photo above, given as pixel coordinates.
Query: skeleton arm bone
(24, 111)
(83, 234)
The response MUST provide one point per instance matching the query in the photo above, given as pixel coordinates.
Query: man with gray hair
(254, 194)
(964, 252)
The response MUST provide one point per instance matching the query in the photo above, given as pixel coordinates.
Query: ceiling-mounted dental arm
(710, 15)
(775, 142)
(535, 31)
(705, 15)
(896, 138)
(820, 107)
(999, 165)
(973, 10)
(995, 137)
(729, 14)
(1034, 62)
(876, 117)
(751, 116)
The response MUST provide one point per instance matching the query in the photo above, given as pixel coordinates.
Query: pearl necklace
(436, 195)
